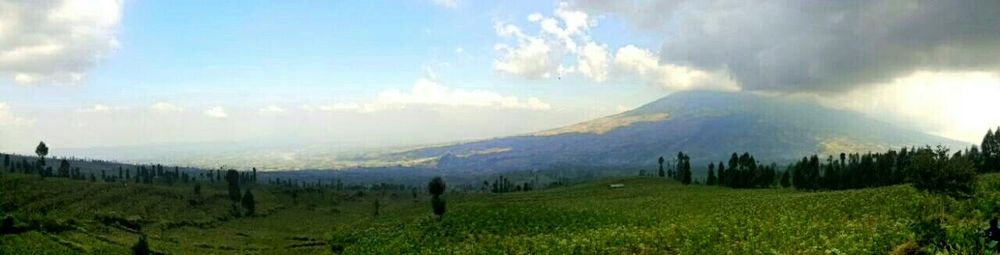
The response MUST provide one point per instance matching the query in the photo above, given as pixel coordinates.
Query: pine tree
(661, 173)
(64, 168)
(991, 151)
(683, 168)
(711, 175)
(723, 175)
(785, 182)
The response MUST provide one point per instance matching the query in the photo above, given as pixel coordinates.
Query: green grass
(649, 215)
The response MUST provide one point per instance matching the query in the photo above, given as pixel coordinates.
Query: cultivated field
(649, 215)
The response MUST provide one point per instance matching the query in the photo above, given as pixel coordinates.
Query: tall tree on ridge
(661, 166)
(42, 150)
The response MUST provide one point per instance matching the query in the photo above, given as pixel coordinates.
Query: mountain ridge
(706, 125)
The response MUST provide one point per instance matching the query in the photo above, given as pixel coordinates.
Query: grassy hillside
(648, 215)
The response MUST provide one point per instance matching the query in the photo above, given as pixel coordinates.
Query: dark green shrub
(437, 187)
(248, 203)
(141, 247)
(439, 205)
(7, 226)
(930, 230)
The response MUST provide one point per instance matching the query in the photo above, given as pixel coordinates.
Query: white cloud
(957, 105)
(532, 58)
(621, 109)
(427, 92)
(342, 107)
(592, 62)
(164, 107)
(8, 119)
(99, 108)
(272, 109)
(337, 107)
(541, 56)
(55, 42)
(644, 64)
(833, 46)
(216, 112)
(566, 34)
(452, 4)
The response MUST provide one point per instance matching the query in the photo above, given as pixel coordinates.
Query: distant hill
(709, 126)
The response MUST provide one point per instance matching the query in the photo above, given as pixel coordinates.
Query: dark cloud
(818, 45)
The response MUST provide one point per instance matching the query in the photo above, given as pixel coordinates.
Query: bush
(437, 187)
(141, 247)
(248, 203)
(930, 231)
(908, 248)
(439, 205)
(8, 225)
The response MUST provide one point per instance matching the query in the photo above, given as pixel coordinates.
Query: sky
(366, 74)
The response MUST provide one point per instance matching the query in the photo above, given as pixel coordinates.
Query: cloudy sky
(94, 73)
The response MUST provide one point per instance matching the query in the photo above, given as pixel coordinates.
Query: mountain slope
(709, 126)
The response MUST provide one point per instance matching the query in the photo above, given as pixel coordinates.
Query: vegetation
(674, 218)
(916, 200)
(248, 203)
(141, 247)
(650, 216)
(437, 187)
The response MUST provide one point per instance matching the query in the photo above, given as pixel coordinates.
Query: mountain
(708, 126)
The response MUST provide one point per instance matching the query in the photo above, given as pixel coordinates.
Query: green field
(649, 215)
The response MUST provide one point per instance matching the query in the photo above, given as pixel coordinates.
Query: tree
(233, 179)
(42, 150)
(248, 203)
(684, 168)
(711, 174)
(934, 171)
(254, 179)
(785, 182)
(722, 175)
(64, 168)
(661, 173)
(437, 187)
(990, 151)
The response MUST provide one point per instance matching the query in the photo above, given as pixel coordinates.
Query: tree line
(743, 172)
(147, 174)
(933, 169)
(503, 185)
